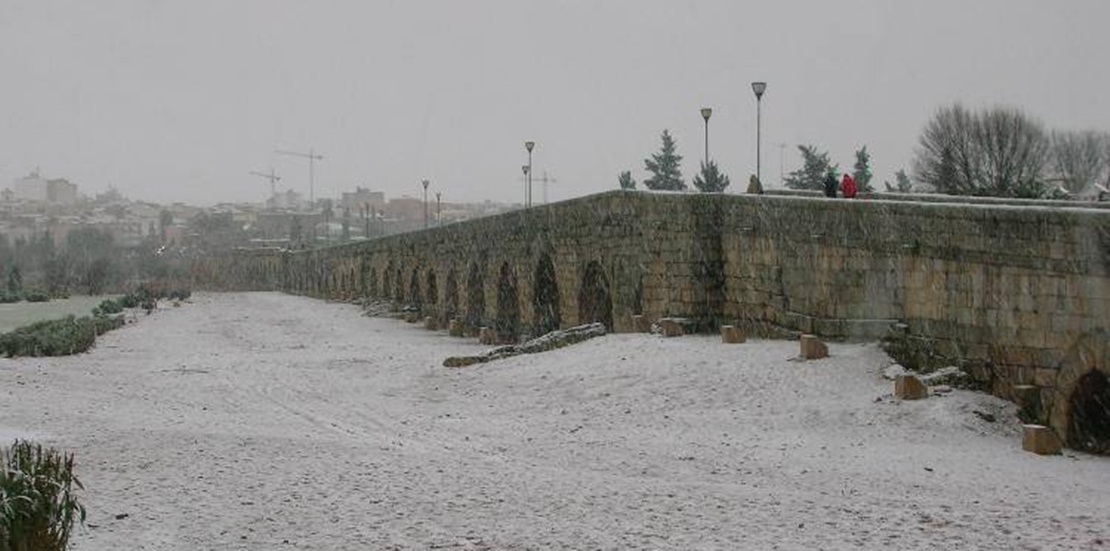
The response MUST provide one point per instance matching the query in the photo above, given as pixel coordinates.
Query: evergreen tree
(902, 183)
(665, 167)
(815, 165)
(625, 180)
(861, 172)
(711, 179)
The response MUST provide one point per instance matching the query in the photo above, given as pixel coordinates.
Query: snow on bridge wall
(1018, 294)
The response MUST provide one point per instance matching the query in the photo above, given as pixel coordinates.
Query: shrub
(38, 502)
(50, 338)
(102, 325)
(180, 294)
(109, 306)
(8, 298)
(36, 296)
(130, 300)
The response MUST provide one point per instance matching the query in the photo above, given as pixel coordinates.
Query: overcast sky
(179, 101)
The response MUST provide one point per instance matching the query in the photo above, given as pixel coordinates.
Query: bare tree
(999, 152)
(1080, 158)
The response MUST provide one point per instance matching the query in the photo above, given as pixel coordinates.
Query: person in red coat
(848, 186)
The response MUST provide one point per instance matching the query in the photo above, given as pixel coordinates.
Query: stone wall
(1017, 294)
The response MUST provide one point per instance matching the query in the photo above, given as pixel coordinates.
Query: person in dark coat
(848, 186)
(830, 185)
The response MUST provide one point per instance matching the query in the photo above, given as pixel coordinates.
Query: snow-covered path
(266, 421)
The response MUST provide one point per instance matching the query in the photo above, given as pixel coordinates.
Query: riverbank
(267, 421)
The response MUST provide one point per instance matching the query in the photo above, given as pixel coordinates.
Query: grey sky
(178, 101)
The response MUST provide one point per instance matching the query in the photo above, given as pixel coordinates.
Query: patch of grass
(38, 501)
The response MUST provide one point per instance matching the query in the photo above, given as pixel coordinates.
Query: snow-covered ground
(266, 421)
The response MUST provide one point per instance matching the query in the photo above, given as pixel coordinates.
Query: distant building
(35, 188)
(362, 198)
(289, 200)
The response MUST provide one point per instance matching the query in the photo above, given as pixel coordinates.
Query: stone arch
(595, 303)
(366, 288)
(638, 296)
(1077, 411)
(508, 305)
(431, 292)
(450, 298)
(387, 283)
(475, 298)
(1089, 422)
(415, 296)
(398, 287)
(545, 297)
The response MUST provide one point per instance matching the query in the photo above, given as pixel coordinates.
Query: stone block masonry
(1018, 292)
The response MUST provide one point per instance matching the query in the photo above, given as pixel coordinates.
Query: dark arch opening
(1089, 424)
(638, 297)
(398, 287)
(415, 298)
(594, 302)
(386, 284)
(364, 270)
(475, 299)
(431, 292)
(451, 298)
(508, 307)
(545, 297)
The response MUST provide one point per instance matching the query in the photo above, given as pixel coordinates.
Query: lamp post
(758, 88)
(425, 182)
(705, 113)
(528, 175)
(527, 183)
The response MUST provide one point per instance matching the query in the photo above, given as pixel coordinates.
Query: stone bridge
(1019, 295)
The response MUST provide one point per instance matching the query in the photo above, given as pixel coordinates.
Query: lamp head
(759, 88)
(706, 112)
(529, 145)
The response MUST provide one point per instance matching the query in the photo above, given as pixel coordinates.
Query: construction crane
(312, 157)
(543, 180)
(273, 178)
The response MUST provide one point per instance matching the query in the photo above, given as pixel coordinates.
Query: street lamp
(425, 182)
(705, 113)
(758, 88)
(526, 170)
(528, 175)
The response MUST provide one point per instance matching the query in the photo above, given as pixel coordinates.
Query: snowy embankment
(266, 421)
